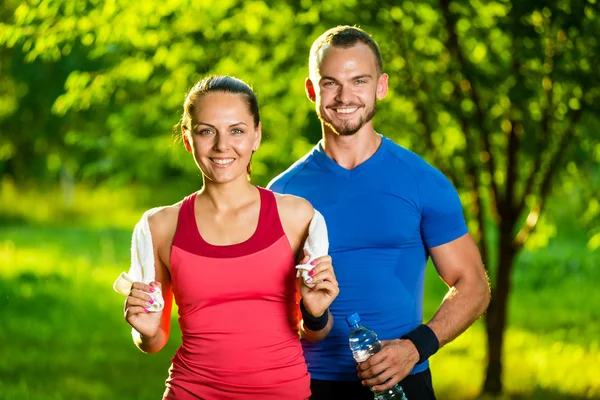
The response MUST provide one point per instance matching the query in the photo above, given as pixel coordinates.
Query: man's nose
(344, 94)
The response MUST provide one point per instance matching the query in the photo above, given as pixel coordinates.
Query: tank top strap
(186, 231)
(271, 228)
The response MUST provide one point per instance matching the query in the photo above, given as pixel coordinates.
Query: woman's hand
(317, 299)
(136, 309)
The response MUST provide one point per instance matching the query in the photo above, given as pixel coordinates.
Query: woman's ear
(257, 138)
(186, 139)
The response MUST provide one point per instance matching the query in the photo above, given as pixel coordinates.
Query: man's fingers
(378, 379)
(384, 385)
(375, 359)
(386, 380)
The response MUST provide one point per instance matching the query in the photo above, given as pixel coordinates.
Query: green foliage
(102, 84)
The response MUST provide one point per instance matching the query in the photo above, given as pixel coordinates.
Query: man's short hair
(342, 36)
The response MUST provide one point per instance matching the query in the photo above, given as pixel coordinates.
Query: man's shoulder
(404, 155)
(413, 163)
(279, 183)
(428, 179)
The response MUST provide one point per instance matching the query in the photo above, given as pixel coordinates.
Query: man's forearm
(464, 303)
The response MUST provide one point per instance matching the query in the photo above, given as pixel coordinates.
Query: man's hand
(389, 366)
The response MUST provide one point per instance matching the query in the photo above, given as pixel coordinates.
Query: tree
(502, 94)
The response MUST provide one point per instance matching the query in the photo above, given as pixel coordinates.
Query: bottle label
(361, 355)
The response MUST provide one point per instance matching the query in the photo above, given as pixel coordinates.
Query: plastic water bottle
(364, 343)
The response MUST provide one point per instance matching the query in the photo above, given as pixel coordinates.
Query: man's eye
(359, 81)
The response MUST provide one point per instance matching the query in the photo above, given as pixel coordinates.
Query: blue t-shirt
(382, 216)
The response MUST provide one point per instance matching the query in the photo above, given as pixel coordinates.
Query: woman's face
(222, 136)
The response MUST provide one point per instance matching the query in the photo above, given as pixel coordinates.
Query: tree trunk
(495, 321)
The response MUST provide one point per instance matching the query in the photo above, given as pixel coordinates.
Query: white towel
(142, 262)
(316, 245)
(142, 256)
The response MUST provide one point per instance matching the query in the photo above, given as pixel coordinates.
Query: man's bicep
(457, 259)
(442, 214)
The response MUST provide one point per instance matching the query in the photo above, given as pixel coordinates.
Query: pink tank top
(236, 312)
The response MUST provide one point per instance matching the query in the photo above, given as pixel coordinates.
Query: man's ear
(186, 139)
(310, 90)
(382, 86)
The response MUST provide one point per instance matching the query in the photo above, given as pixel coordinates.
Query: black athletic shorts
(416, 387)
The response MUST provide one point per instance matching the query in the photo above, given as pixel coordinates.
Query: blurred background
(502, 96)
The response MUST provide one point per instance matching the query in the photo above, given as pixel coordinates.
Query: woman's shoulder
(294, 209)
(163, 222)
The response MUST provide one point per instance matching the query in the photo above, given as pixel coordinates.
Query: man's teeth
(346, 110)
(222, 160)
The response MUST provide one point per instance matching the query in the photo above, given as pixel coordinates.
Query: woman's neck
(228, 196)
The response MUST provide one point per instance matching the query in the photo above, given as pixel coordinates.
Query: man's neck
(352, 150)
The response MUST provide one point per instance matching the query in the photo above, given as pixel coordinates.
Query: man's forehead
(336, 58)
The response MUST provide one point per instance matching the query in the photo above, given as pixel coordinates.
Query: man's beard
(348, 128)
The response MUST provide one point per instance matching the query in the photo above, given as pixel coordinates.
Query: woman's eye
(237, 131)
(205, 132)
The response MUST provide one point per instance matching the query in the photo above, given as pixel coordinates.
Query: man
(387, 211)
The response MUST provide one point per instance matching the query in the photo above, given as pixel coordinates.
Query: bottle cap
(353, 319)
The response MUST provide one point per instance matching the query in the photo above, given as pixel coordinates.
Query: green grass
(62, 333)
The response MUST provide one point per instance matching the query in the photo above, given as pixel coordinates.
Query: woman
(227, 253)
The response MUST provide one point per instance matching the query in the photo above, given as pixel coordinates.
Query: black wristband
(424, 340)
(314, 323)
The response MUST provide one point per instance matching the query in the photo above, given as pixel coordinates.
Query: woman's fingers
(321, 264)
(134, 310)
(136, 301)
(140, 295)
(326, 286)
(321, 260)
(149, 288)
(322, 274)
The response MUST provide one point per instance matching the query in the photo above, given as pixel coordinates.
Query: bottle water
(364, 343)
